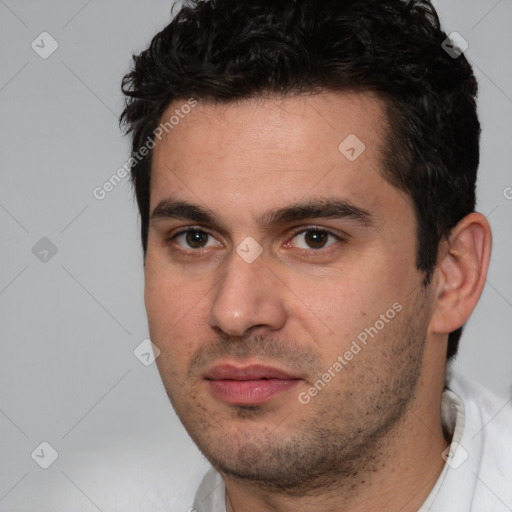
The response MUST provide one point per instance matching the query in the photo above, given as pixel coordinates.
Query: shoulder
(487, 439)
(486, 414)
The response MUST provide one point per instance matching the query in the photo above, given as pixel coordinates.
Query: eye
(195, 239)
(314, 239)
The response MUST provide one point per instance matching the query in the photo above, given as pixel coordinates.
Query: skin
(372, 438)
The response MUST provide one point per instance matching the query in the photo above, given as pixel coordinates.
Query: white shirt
(477, 475)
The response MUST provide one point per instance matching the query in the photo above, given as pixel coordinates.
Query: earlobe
(462, 270)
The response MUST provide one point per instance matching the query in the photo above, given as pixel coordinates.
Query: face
(281, 285)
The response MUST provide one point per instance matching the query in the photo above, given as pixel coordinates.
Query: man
(305, 173)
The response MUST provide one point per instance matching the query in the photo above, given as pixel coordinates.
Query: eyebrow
(311, 209)
(317, 209)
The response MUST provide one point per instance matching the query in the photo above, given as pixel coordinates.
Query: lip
(252, 384)
(248, 372)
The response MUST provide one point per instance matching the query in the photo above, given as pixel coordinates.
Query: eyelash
(323, 250)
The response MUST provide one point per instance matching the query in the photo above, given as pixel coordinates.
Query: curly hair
(222, 50)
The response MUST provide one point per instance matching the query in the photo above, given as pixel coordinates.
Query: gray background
(69, 324)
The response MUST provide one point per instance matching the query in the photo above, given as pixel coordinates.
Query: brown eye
(194, 239)
(314, 239)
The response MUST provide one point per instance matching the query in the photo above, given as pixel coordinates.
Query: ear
(461, 272)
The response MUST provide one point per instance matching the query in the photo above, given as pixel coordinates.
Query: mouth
(248, 385)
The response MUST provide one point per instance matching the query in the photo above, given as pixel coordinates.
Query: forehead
(257, 152)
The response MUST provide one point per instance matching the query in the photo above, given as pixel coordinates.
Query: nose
(249, 295)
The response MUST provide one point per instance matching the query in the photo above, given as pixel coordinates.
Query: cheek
(336, 309)
(331, 308)
(172, 307)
